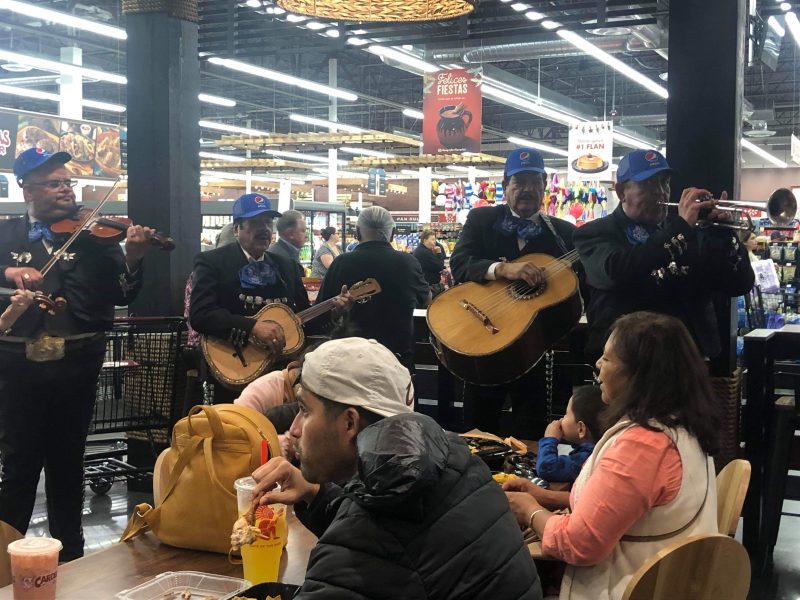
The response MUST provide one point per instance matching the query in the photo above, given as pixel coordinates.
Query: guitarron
(235, 366)
(495, 332)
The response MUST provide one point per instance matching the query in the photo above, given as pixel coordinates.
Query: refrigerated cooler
(319, 215)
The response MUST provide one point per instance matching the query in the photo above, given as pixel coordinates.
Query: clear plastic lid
(34, 545)
(245, 484)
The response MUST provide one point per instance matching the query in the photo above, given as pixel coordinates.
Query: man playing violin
(491, 238)
(49, 363)
(638, 258)
(232, 283)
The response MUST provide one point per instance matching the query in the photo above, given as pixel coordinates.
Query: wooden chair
(701, 567)
(7, 535)
(732, 484)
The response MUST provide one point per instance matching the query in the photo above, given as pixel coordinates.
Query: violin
(104, 230)
(41, 300)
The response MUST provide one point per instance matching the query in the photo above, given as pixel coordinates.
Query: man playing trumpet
(638, 258)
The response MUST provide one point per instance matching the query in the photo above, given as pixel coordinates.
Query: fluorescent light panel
(59, 67)
(528, 105)
(61, 18)
(616, 64)
(228, 157)
(218, 100)
(243, 177)
(631, 142)
(538, 145)
(39, 95)
(763, 153)
(304, 157)
(232, 128)
(284, 78)
(327, 124)
(414, 114)
(366, 152)
(793, 25)
(402, 57)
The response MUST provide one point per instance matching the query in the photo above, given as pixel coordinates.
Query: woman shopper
(431, 256)
(326, 252)
(650, 479)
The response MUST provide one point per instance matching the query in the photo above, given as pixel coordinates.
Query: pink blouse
(641, 470)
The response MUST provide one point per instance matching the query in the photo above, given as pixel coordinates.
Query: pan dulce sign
(451, 102)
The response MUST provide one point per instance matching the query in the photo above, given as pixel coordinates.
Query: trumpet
(781, 208)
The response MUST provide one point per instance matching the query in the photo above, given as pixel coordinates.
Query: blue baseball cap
(640, 165)
(35, 158)
(251, 205)
(524, 159)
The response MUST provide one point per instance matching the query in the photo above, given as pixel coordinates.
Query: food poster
(590, 152)
(95, 147)
(452, 105)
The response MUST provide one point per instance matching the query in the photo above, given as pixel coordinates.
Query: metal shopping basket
(135, 393)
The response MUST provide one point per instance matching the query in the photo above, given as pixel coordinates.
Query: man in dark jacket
(420, 516)
(492, 237)
(637, 258)
(389, 316)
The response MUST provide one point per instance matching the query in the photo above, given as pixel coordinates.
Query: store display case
(319, 215)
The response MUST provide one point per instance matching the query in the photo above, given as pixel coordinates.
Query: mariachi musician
(637, 258)
(491, 238)
(49, 364)
(232, 283)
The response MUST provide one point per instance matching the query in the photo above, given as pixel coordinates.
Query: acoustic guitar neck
(315, 311)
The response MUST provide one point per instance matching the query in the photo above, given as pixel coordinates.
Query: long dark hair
(668, 380)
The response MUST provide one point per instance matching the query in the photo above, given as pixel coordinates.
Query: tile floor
(105, 517)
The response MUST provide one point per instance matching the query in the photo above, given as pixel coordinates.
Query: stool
(785, 419)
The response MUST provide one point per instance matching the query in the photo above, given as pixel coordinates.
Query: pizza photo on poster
(452, 105)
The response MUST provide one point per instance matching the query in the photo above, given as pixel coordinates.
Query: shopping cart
(135, 393)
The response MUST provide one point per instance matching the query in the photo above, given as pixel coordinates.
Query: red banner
(451, 102)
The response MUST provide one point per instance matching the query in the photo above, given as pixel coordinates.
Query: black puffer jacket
(422, 520)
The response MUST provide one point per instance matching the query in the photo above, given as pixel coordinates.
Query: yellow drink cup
(262, 558)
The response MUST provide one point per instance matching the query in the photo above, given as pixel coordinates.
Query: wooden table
(123, 566)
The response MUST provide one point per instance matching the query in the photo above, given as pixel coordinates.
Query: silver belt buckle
(45, 349)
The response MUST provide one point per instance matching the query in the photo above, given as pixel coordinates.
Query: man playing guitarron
(491, 238)
(232, 283)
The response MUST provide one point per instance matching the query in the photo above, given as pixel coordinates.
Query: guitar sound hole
(523, 291)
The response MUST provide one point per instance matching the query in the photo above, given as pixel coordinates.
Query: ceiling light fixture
(528, 105)
(534, 16)
(342, 174)
(548, 24)
(306, 157)
(59, 67)
(334, 33)
(355, 10)
(793, 25)
(253, 3)
(218, 100)
(776, 26)
(315, 25)
(232, 128)
(327, 124)
(413, 113)
(228, 157)
(61, 18)
(243, 177)
(357, 41)
(748, 145)
(39, 95)
(404, 58)
(366, 152)
(519, 6)
(538, 145)
(631, 142)
(616, 64)
(293, 18)
(284, 78)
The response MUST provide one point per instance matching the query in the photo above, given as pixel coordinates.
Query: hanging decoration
(380, 10)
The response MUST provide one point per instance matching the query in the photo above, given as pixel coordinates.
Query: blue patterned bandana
(38, 231)
(508, 225)
(257, 274)
(638, 234)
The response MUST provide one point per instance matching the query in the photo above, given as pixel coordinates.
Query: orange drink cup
(34, 568)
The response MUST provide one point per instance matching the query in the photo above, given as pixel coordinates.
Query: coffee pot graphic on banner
(453, 124)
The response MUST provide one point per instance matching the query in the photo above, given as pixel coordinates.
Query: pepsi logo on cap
(259, 200)
(651, 156)
(40, 151)
(524, 155)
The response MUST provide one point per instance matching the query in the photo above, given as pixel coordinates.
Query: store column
(704, 115)
(163, 142)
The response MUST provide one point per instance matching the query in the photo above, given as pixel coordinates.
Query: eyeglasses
(54, 184)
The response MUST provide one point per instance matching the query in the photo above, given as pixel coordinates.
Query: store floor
(105, 517)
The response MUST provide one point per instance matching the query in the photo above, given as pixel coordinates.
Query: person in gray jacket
(419, 517)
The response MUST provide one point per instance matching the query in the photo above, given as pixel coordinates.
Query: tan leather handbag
(211, 448)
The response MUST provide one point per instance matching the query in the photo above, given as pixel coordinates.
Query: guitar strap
(561, 245)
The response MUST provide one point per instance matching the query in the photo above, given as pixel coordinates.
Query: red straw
(263, 452)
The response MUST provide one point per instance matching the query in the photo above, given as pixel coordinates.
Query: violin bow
(57, 254)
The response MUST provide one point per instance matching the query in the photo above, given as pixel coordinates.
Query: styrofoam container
(201, 585)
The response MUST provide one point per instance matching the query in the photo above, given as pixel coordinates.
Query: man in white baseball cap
(419, 516)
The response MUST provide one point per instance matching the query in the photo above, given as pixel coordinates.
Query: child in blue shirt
(580, 427)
